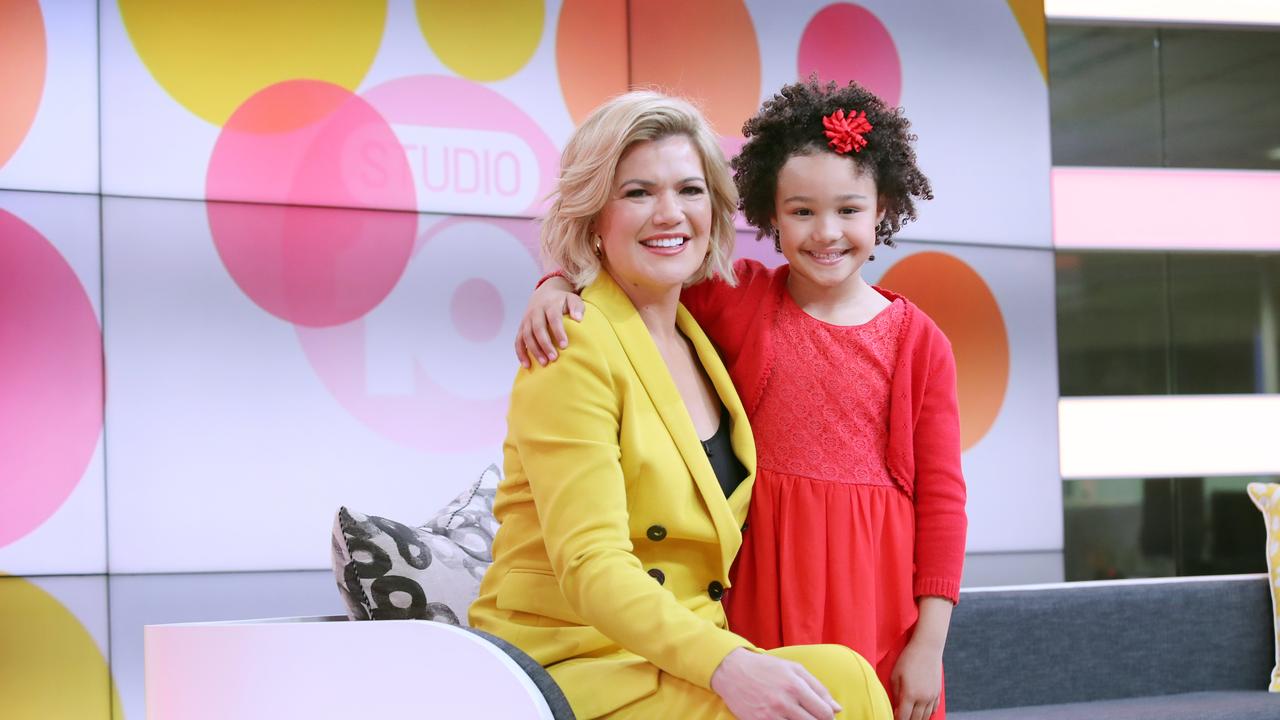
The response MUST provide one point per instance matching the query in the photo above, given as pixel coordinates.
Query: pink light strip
(1166, 209)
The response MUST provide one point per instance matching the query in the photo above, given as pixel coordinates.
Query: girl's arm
(941, 523)
(917, 676)
(712, 303)
(541, 329)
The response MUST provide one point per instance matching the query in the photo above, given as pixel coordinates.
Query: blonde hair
(590, 160)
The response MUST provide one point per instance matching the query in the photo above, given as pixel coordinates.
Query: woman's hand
(544, 318)
(756, 686)
(917, 676)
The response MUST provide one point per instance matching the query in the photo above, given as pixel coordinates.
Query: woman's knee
(845, 674)
(836, 661)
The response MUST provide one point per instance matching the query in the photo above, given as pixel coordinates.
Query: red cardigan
(924, 421)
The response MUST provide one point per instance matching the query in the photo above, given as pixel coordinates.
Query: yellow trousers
(844, 673)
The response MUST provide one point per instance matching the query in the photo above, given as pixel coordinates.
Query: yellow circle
(212, 56)
(482, 41)
(50, 667)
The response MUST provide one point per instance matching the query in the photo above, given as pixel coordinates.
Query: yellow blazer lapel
(744, 443)
(652, 370)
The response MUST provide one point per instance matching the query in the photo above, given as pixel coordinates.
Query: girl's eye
(803, 212)
(848, 211)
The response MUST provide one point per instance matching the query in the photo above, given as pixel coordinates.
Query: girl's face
(827, 212)
(656, 226)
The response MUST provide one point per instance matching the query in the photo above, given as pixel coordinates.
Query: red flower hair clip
(846, 133)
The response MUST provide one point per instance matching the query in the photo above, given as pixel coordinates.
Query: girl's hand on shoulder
(755, 686)
(917, 681)
(544, 319)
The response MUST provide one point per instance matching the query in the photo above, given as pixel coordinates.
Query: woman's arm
(565, 421)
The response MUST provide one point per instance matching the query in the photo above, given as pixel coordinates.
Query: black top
(729, 471)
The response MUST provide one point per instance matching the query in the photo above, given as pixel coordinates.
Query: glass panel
(1221, 108)
(1118, 528)
(1112, 324)
(1269, 324)
(1215, 312)
(1158, 527)
(1104, 99)
(1220, 532)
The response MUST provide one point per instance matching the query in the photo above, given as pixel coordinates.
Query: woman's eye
(635, 193)
(693, 190)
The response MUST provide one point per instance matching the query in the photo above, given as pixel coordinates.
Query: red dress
(832, 551)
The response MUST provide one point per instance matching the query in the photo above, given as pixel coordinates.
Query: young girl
(857, 525)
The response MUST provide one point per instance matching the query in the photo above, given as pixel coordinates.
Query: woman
(618, 526)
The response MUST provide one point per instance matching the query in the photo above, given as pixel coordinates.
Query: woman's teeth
(664, 242)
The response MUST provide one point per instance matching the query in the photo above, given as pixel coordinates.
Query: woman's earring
(598, 241)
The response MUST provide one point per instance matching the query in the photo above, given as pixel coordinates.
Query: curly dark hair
(790, 124)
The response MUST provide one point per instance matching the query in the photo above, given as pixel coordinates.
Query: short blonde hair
(590, 160)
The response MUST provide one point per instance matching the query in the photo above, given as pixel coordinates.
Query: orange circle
(591, 54)
(704, 50)
(959, 301)
(23, 64)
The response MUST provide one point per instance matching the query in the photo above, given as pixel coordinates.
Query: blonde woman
(629, 462)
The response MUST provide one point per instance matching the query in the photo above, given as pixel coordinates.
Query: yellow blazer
(616, 535)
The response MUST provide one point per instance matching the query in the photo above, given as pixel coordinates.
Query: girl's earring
(777, 239)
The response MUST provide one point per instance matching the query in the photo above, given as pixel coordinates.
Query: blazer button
(656, 533)
(715, 590)
(658, 575)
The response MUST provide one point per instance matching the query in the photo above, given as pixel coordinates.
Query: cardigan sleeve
(941, 523)
(722, 310)
(564, 421)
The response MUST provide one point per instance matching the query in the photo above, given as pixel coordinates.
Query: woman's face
(827, 212)
(656, 226)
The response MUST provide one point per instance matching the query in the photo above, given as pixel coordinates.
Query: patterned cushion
(389, 571)
(1267, 497)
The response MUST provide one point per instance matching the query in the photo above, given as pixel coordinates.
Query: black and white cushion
(387, 570)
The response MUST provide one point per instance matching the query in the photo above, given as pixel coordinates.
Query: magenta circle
(476, 309)
(304, 152)
(844, 42)
(50, 379)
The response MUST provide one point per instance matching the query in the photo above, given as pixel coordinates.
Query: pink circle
(476, 309)
(433, 417)
(846, 42)
(307, 143)
(437, 105)
(50, 379)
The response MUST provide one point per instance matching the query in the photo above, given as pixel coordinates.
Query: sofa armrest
(330, 667)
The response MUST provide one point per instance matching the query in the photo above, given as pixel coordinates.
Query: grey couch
(1199, 648)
